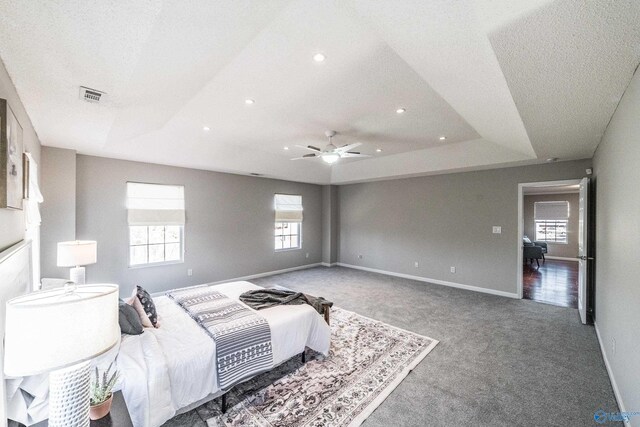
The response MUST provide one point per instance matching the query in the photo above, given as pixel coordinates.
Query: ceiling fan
(331, 153)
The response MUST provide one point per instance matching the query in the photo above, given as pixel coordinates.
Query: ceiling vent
(91, 95)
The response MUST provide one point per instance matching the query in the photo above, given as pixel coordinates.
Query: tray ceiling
(505, 82)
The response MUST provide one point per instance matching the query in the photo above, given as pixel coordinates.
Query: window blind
(288, 208)
(155, 204)
(549, 211)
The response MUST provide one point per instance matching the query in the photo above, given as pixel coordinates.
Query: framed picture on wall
(11, 176)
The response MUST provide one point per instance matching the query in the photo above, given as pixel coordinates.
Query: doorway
(551, 241)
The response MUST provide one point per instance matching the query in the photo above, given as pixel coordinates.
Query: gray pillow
(129, 320)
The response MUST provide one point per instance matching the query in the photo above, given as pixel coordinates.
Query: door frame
(521, 187)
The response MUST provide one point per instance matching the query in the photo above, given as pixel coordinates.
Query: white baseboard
(561, 258)
(326, 264)
(268, 273)
(614, 385)
(435, 281)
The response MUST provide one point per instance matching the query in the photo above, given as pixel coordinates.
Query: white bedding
(167, 369)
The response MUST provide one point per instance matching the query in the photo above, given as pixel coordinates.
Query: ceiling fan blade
(347, 155)
(349, 147)
(309, 147)
(306, 156)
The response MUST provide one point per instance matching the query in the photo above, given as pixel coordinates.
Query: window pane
(294, 227)
(138, 255)
(137, 235)
(172, 252)
(278, 242)
(156, 253)
(286, 242)
(294, 242)
(156, 234)
(278, 229)
(172, 234)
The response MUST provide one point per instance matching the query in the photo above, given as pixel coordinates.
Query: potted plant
(101, 395)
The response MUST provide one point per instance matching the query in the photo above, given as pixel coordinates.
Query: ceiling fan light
(330, 158)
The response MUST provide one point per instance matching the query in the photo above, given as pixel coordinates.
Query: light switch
(497, 229)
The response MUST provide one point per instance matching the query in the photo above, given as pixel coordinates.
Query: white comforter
(167, 369)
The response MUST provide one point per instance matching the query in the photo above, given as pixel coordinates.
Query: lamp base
(69, 396)
(77, 275)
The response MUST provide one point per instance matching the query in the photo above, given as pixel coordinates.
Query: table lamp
(59, 331)
(76, 254)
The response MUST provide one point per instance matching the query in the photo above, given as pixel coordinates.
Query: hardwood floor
(555, 282)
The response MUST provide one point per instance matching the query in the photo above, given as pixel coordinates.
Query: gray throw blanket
(242, 337)
(265, 298)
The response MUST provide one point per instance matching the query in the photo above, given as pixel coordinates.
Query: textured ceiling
(507, 82)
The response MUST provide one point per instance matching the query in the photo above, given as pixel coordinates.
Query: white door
(582, 249)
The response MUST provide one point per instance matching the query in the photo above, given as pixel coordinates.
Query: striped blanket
(242, 337)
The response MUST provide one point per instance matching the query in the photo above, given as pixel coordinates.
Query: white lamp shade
(52, 329)
(77, 252)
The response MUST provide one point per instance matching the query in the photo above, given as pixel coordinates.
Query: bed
(170, 370)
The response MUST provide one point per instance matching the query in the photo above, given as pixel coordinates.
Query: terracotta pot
(101, 410)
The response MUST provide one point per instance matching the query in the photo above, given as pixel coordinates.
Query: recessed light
(249, 101)
(206, 128)
(286, 148)
(442, 138)
(319, 57)
(378, 150)
(400, 110)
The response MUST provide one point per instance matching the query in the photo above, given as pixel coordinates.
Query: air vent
(255, 174)
(91, 95)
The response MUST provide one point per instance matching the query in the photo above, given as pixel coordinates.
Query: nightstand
(118, 417)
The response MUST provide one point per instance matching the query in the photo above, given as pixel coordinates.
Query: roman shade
(288, 208)
(551, 211)
(155, 204)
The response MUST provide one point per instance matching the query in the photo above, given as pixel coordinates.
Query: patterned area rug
(367, 360)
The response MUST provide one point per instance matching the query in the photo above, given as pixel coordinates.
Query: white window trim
(299, 237)
(552, 242)
(156, 264)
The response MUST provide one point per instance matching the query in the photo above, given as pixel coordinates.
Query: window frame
(156, 264)
(555, 222)
(299, 247)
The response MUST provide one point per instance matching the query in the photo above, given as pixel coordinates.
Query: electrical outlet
(497, 229)
(359, 256)
(416, 265)
(613, 346)
(453, 269)
(189, 272)
(307, 255)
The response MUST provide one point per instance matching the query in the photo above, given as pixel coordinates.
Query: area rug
(367, 361)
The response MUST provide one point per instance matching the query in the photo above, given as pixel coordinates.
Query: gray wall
(59, 207)
(617, 179)
(229, 229)
(12, 228)
(443, 221)
(329, 224)
(569, 250)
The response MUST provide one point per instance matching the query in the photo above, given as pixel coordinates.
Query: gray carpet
(500, 362)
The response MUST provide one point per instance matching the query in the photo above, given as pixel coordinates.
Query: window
(288, 235)
(551, 231)
(551, 220)
(288, 224)
(156, 223)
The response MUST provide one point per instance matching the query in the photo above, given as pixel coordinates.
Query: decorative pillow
(129, 320)
(148, 305)
(137, 305)
(526, 239)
